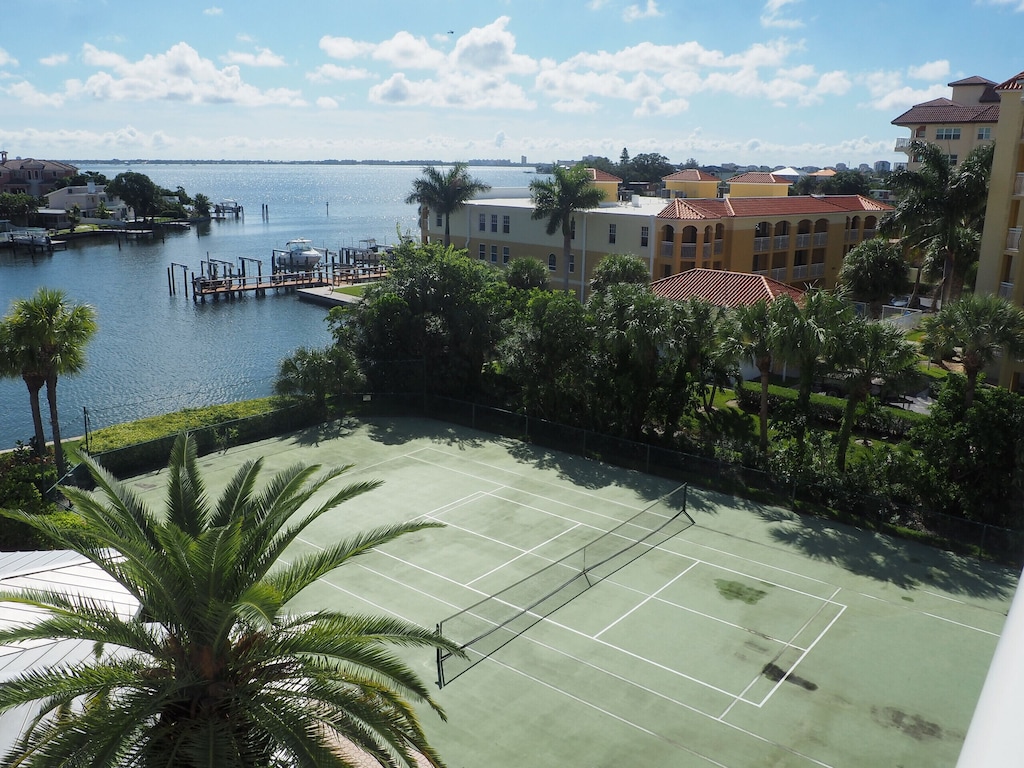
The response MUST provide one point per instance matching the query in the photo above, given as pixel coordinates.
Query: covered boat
(299, 254)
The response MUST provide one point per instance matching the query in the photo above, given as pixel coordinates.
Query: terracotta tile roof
(825, 172)
(759, 177)
(599, 175)
(722, 288)
(801, 205)
(973, 80)
(947, 111)
(1015, 83)
(690, 174)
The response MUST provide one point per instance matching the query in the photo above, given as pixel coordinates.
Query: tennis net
(489, 624)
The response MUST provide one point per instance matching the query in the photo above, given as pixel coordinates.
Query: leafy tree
(691, 162)
(702, 358)
(445, 192)
(102, 212)
(980, 328)
(50, 335)
(214, 669)
(74, 216)
(869, 351)
(624, 161)
(559, 199)
(650, 167)
(17, 206)
(18, 358)
(847, 183)
(941, 210)
(874, 271)
(619, 268)
(81, 180)
(314, 374)
(525, 273)
(201, 206)
(138, 191)
(755, 336)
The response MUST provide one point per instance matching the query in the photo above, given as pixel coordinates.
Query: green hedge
(885, 421)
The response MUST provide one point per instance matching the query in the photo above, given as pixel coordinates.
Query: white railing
(816, 270)
(1006, 290)
(869, 233)
(1018, 184)
(666, 248)
(820, 239)
(902, 145)
(760, 272)
(706, 250)
(689, 250)
(852, 235)
(761, 244)
(779, 273)
(802, 241)
(781, 242)
(799, 271)
(1013, 239)
(719, 246)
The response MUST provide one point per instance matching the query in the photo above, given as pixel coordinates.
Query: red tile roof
(1015, 83)
(730, 207)
(759, 177)
(690, 174)
(973, 80)
(722, 288)
(599, 175)
(947, 111)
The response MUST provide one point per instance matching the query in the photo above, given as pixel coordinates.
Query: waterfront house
(89, 198)
(30, 176)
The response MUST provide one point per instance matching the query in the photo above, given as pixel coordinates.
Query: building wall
(740, 189)
(1001, 263)
(692, 188)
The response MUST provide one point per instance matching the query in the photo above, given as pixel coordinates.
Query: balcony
(762, 244)
(689, 250)
(760, 272)
(1013, 239)
(719, 247)
(666, 249)
(870, 233)
(779, 273)
(1018, 185)
(780, 242)
(800, 271)
(706, 250)
(820, 239)
(816, 270)
(1006, 291)
(803, 241)
(852, 236)
(902, 145)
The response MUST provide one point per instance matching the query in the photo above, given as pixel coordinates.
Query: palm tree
(558, 200)
(446, 192)
(942, 210)
(755, 336)
(313, 374)
(869, 351)
(19, 359)
(873, 272)
(52, 333)
(214, 670)
(980, 327)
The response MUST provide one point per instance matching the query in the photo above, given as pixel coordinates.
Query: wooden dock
(232, 287)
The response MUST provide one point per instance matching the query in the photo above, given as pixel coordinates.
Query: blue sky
(773, 82)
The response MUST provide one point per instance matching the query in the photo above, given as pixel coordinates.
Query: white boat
(299, 254)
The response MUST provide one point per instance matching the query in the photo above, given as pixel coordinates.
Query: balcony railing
(1013, 239)
(852, 235)
(719, 247)
(1006, 290)
(706, 250)
(666, 249)
(816, 270)
(760, 271)
(902, 145)
(869, 233)
(779, 273)
(802, 241)
(781, 242)
(762, 244)
(1018, 184)
(799, 271)
(820, 239)
(689, 250)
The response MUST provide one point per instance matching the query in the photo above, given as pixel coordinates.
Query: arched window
(552, 262)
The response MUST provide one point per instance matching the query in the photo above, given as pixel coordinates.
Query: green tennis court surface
(753, 637)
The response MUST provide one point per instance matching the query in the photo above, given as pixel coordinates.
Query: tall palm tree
(874, 271)
(53, 332)
(558, 201)
(214, 670)
(446, 192)
(980, 327)
(869, 351)
(942, 210)
(19, 359)
(756, 336)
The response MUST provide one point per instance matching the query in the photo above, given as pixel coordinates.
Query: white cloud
(6, 60)
(54, 59)
(27, 94)
(326, 102)
(1017, 5)
(326, 73)
(454, 90)
(491, 49)
(499, 139)
(180, 74)
(406, 51)
(213, 11)
(889, 94)
(652, 106)
(771, 16)
(344, 47)
(636, 13)
(932, 70)
(264, 57)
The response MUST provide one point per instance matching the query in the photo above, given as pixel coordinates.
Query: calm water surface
(155, 352)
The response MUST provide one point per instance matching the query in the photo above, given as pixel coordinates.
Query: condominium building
(1001, 264)
(957, 125)
(797, 240)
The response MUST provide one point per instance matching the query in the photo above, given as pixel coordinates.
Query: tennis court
(751, 637)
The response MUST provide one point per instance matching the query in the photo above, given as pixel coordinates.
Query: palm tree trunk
(58, 449)
(972, 383)
(35, 384)
(447, 232)
(763, 443)
(845, 430)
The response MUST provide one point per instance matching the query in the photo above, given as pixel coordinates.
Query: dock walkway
(235, 286)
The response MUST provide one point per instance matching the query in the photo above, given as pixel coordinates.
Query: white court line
(524, 553)
(960, 624)
(749, 560)
(943, 597)
(647, 599)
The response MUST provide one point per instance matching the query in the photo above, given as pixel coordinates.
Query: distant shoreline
(144, 161)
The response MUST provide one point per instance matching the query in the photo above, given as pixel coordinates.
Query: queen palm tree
(51, 333)
(558, 201)
(980, 327)
(755, 336)
(874, 271)
(446, 192)
(941, 210)
(214, 670)
(18, 359)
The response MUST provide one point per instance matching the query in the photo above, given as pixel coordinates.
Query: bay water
(154, 352)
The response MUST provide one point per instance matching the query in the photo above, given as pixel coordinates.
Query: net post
(440, 663)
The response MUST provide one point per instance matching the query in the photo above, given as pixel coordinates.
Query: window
(947, 134)
(494, 222)
(483, 222)
(611, 233)
(506, 224)
(645, 236)
(439, 221)
(984, 134)
(572, 262)
(504, 255)
(494, 254)
(552, 262)
(483, 252)
(952, 159)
